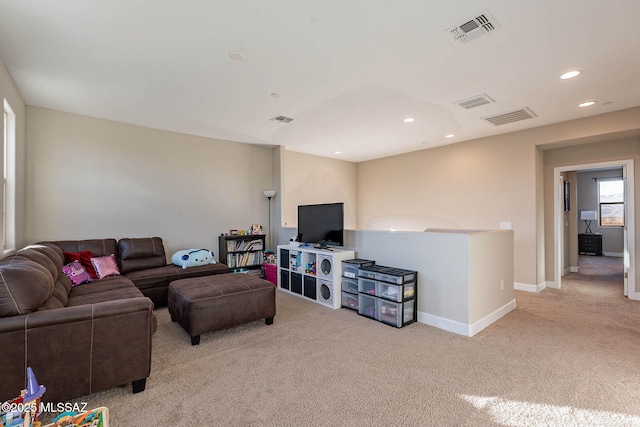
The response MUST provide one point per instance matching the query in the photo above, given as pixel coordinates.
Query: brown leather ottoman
(208, 303)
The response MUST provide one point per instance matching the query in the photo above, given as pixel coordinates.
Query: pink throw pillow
(105, 266)
(76, 273)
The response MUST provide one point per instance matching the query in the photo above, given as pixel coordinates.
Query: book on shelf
(244, 245)
(244, 259)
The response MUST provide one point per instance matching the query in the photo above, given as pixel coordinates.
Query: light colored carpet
(562, 357)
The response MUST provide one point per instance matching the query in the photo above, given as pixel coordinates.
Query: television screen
(321, 224)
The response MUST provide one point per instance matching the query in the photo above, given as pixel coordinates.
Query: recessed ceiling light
(237, 56)
(337, 152)
(570, 74)
(409, 120)
(587, 104)
(449, 136)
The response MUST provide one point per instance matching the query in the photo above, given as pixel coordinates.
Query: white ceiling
(347, 72)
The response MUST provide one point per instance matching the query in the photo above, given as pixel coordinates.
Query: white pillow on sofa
(193, 258)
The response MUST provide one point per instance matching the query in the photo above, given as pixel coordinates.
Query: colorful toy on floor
(23, 411)
(98, 417)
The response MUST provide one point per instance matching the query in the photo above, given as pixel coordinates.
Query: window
(8, 179)
(611, 202)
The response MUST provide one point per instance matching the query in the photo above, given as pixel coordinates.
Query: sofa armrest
(78, 350)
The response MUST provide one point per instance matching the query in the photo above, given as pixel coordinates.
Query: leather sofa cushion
(107, 289)
(162, 276)
(141, 254)
(45, 256)
(99, 247)
(24, 286)
(61, 289)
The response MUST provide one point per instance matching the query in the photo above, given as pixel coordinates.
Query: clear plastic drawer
(396, 275)
(397, 314)
(367, 306)
(366, 286)
(397, 293)
(351, 268)
(372, 271)
(350, 301)
(350, 285)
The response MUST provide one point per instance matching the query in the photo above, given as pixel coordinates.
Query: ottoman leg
(195, 340)
(269, 320)
(139, 385)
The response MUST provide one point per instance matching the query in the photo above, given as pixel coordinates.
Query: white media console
(312, 273)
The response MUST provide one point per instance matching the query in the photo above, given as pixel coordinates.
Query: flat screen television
(322, 224)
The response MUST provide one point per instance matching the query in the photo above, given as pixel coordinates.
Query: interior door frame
(629, 231)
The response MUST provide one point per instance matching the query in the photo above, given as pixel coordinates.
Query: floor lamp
(269, 194)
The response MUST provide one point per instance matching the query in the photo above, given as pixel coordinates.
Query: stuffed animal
(193, 258)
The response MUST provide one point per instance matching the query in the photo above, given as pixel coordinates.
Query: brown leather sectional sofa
(83, 339)
(144, 262)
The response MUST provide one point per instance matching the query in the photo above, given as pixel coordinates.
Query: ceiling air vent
(473, 27)
(475, 101)
(282, 119)
(510, 117)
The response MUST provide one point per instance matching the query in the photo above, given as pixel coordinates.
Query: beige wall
(309, 179)
(9, 92)
(479, 184)
(94, 178)
(465, 279)
(471, 185)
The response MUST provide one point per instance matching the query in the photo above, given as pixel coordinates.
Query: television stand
(312, 273)
(325, 247)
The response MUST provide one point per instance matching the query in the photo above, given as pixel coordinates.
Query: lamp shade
(588, 215)
(269, 193)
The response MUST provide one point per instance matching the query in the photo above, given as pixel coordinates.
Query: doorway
(628, 231)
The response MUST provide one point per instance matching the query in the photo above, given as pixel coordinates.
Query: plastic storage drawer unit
(351, 267)
(396, 293)
(397, 314)
(367, 306)
(350, 285)
(350, 301)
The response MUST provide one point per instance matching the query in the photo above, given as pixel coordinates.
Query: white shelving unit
(312, 273)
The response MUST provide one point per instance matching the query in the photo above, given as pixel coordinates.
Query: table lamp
(587, 217)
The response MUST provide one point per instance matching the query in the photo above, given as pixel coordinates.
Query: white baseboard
(613, 254)
(463, 328)
(566, 271)
(443, 323)
(575, 269)
(530, 288)
(491, 317)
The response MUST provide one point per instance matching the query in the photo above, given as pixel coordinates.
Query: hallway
(602, 275)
